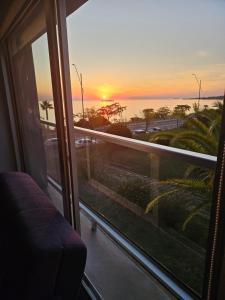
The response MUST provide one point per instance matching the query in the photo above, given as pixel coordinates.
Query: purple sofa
(41, 256)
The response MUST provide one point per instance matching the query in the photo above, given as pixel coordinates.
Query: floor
(113, 273)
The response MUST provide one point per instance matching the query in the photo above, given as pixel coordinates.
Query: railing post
(154, 175)
(88, 161)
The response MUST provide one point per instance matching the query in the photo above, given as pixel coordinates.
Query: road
(162, 124)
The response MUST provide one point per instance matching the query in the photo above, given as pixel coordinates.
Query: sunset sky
(144, 49)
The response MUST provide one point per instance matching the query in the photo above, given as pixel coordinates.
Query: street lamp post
(80, 78)
(199, 82)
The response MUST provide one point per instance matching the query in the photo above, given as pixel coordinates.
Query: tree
(119, 129)
(200, 135)
(83, 123)
(218, 105)
(135, 119)
(92, 119)
(98, 121)
(203, 188)
(46, 105)
(148, 116)
(163, 112)
(180, 110)
(196, 108)
(111, 110)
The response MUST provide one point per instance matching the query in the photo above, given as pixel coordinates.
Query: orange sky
(150, 51)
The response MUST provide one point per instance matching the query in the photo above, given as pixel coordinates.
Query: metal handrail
(199, 159)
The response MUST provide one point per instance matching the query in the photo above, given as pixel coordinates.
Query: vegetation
(136, 119)
(98, 121)
(163, 113)
(135, 190)
(201, 134)
(46, 105)
(119, 129)
(180, 110)
(94, 118)
(83, 123)
(111, 110)
(148, 116)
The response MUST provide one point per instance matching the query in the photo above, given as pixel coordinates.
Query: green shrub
(84, 124)
(136, 191)
(119, 129)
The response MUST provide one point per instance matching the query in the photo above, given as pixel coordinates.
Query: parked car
(150, 130)
(82, 142)
(156, 129)
(139, 131)
(79, 142)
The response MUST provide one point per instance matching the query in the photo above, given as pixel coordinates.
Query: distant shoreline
(206, 98)
(154, 99)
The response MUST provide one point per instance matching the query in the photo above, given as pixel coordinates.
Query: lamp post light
(79, 75)
(199, 82)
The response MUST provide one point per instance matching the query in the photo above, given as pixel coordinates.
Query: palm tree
(148, 116)
(201, 135)
(201, 188)
(46, 105)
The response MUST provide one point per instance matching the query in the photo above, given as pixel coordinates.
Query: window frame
(56, 12)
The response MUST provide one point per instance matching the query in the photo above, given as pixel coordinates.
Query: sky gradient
(148, 48)
(143, 49)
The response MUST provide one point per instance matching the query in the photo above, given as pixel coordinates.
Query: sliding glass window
(34, 102)
(147, 87)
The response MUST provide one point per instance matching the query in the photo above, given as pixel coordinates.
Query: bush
(98, 121)
(136, 191)
(84, 124)
(119, 129)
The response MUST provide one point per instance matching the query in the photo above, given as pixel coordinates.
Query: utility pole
(80, 78)
(199, 82)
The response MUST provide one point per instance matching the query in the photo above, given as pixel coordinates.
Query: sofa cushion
(41, 256)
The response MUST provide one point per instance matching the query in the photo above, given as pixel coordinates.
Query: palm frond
(161, 135)
(156, 200)
(193, 213)
(46, 105)
(209, 143)
(195, 185)
(197, 125)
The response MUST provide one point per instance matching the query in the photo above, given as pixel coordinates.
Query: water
(134, 107)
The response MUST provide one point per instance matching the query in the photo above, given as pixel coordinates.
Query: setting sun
(105, 91)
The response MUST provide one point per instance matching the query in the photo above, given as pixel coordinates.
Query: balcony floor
(114, 274)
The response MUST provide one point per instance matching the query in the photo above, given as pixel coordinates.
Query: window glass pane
(152, 71)
(149, 199)
(34, 101)
(46, 105)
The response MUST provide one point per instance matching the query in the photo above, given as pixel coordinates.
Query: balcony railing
(189, 157)
(199, 159)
